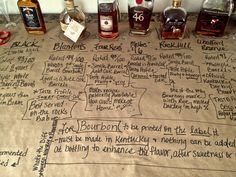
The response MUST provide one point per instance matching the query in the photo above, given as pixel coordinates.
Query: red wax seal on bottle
(4, 37)
(139, 1)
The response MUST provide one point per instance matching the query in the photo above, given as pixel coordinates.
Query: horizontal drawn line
(74, 50)
(97, 131)
(145, 165)
(168, 134)
(201, 135)
(176, 49)
(131, 144)
(181, 134)
(107, 51)
(26, 47)
(154, 119)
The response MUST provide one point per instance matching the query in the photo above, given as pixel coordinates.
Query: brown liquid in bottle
(174, 20)
(107, 20)
(211, 24)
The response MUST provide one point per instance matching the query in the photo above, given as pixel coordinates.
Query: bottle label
(74, 30)
(106, 23)
(30, 17)
(139, 18)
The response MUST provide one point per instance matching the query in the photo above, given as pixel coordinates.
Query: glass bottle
(174, 19)
(234, 6)
(213, 17)
(108, 18)
(32, 16)
(140, 13)
(71, 12)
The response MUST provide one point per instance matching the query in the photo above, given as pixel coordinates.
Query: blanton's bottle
(108, 18)
(71, 12)
(174, 19)
(32, 16)
(213, 17)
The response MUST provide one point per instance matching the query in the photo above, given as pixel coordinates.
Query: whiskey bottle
(32, 16)
(234, 6)
(173, 21)
(108, 18)
(140, 12)
(213, 17)
(71, 12)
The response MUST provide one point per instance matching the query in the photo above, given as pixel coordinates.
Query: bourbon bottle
(140, 13)
(71, 12)
(174, 19)
(213, 17)
(32, 16)
(108, 18)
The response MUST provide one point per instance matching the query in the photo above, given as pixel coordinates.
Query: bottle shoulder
(218, 5)
(175, 12)
(76, 9)
(76, 14)
(27, 3)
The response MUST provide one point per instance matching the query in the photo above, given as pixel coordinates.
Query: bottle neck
(69, 4)
(176, 3)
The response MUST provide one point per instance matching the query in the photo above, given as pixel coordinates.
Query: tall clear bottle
(213, 17)
(71, 12)
(32, 16)
(174, 19)
(140, 13)
(108, 18)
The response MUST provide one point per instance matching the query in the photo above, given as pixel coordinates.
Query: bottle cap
(4, 37)
(69, 4)
(139, 1)
(176, 3)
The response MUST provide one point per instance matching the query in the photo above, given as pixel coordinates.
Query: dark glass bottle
(140, 13)
(32, 16)
(213, 17)
(174, 19)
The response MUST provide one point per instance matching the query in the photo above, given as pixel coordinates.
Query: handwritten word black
(25, 44)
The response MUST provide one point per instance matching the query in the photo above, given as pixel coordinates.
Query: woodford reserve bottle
(71, 12)
(32, 16)
(174, 19)
(108, 18)
(140, 13)
(213, 17)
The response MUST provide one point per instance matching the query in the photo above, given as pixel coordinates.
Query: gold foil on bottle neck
(176, 3)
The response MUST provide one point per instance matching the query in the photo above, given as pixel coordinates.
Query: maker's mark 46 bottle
(140, 13)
